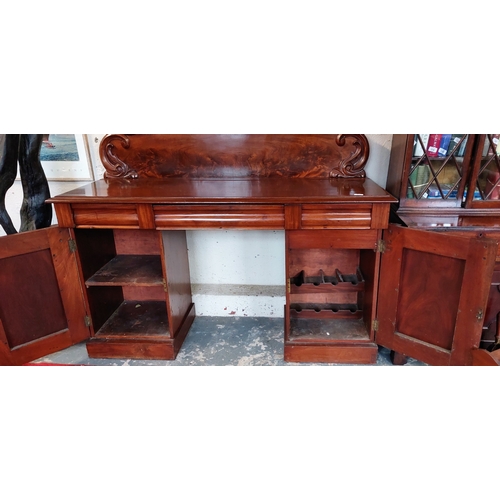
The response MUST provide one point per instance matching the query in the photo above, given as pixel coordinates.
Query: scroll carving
(236, 156)
(114, 166)
(354, 165)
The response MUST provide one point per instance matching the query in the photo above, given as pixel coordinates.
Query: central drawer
(220, 216)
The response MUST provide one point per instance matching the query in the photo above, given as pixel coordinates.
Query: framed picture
(65, 157)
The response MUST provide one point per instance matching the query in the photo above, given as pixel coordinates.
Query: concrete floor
(216, 341)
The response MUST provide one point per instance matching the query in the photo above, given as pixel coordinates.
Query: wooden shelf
(327, 330)
(138, 319)
(129, 270)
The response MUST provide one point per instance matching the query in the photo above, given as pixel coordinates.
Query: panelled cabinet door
(433, 294)
(41, 303)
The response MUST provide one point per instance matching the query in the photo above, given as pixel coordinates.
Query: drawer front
(336, 216)
(219, 216)
(97, 215)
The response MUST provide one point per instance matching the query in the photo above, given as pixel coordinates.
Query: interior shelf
(137, 318)
(129, 270)
(325, 330)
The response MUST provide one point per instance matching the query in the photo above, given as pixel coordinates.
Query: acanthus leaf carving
(354, 165)
(115, 168)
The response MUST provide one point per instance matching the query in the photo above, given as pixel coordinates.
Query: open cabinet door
(433, 294)
(41, 301)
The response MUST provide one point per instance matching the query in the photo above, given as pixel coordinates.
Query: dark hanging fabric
(25, 149)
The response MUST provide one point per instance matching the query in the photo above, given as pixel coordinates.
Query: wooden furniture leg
(398, 359)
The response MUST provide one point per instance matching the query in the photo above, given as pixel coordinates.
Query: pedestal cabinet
(120, 272)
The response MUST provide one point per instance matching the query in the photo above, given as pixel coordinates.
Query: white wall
(242, 273)
(378, 161)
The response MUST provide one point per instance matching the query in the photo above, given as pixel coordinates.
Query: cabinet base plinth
(161, 347)
(348, 354)
(133, 349)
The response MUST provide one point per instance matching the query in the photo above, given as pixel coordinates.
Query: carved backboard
(240, 156)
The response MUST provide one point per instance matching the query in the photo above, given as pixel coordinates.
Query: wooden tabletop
(263, 190)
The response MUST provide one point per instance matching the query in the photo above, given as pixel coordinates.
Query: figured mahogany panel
(234, 155)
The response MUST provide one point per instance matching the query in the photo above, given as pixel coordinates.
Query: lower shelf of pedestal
(329, 341)
(139, 330)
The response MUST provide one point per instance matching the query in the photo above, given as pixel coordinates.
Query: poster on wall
(64, 157)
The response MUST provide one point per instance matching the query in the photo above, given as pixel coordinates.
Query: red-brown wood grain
(112, 192)
(177, 279)
(434, 290)
(312, 186)
(234, 155)
(41, 305)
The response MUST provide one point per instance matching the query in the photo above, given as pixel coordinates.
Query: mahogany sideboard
(115, 271)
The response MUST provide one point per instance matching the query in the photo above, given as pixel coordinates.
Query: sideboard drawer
(336, 216)
(219, 216)
(102, 215)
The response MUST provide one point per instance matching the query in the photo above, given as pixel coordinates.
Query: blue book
(455, 139)
(443, 146)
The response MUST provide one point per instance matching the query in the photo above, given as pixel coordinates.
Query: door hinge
(87, 320)
(288, 286)
(375, 325)
(72, 245)
(380, 246)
